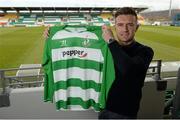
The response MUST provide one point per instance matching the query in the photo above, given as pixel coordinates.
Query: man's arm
(46, 32)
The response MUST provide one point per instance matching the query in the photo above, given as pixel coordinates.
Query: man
(131, 61)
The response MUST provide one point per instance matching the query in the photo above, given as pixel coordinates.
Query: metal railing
(15, 81)
(155, 70)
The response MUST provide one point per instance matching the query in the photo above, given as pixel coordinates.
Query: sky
(153, 5)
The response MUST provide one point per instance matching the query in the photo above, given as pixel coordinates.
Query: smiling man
(131, 61)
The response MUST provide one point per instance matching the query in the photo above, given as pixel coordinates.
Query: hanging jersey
(76, 63)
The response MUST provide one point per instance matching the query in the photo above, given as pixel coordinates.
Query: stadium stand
(29, 19)
(5, 19)
(107, 18)
(35, 19)
(51, 19)
(141, 20)
(106, 15)
(45, 18)
(76, 20)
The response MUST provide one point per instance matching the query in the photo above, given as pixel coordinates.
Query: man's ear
(137, 26)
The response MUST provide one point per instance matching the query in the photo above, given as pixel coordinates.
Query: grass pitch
(165, 41)
(20, 45)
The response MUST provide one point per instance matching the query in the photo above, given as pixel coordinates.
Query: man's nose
(125, 28)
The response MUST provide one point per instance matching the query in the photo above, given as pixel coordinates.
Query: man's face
(126, 26)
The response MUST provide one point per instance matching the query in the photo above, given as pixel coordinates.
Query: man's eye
(131, 25)
(120, 24)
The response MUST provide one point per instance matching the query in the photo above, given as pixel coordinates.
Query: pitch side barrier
(10, 80)
(24, 77)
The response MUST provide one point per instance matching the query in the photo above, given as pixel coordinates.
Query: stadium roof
(67, 5)
(80, 9)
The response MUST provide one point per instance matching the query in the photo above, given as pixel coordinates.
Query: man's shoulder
(144, 48)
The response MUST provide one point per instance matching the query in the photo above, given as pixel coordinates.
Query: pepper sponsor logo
(73, 53)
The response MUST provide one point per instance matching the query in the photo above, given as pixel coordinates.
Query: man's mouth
(125, 35)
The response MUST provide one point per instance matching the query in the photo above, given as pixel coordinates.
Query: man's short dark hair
(125, 11)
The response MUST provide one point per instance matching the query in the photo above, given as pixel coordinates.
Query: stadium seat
(4, 100)
(176, 101)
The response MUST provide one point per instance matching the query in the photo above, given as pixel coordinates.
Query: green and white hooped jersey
(78, 68)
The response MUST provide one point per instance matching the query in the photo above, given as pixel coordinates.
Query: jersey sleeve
(108, 76)
(48, 76)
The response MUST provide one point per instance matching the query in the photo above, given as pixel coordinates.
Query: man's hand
(46, 33)
(107, 33)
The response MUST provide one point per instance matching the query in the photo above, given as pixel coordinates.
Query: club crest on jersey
(73, 53)
(86, 42)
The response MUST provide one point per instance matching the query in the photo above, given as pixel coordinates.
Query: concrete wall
(27, 103)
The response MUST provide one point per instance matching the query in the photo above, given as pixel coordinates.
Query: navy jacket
(131, 63)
